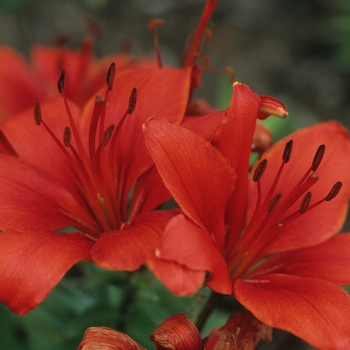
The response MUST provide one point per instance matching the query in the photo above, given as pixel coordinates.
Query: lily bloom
(270, 240)
(25, 83)
(76, 169)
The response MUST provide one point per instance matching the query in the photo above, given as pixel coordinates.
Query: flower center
(94, 165)
(270, 213)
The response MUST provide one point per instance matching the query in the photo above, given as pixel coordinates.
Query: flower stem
(208, 308)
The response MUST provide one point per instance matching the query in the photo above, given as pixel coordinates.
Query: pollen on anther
(60, 83)
(259, 170)
(67, 136)
(318, 157)
(334, 191)
(287, 151)
(132, 101)
(305, 202)
(110, 76)
(37, 113)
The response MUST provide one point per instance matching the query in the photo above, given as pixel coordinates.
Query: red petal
(234, 138)
(179, 279)
(19, 88)
(32, 264)
(205, 125)
(149, 193)
(314, 310)
(81, 71)
(133, 245)
(177, 332)
(34, 144)
(161, 92)
(104, 338)
(329, 261)
(30, 200)
(196, 173)
(326, 219)
(187, 244)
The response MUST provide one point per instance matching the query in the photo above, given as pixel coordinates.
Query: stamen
(132, 101)
(259, 171)
(110, 76)
(287, 151)
(67, 136)
(60, 83)
(318, 157)
(334, 191)
(305, 203)
(207, 12)
(37, 113)
(273, 203)
(152, 27)
(107, 135)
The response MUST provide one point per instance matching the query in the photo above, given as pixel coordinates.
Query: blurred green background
(295, 50)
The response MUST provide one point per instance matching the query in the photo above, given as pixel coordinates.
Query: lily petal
(31, 200)
(312, 309)
(186, 243)
(32, 264)
(160, 92)
(186, 162)
(234, 138)
(19, 87)
(329, 261)
(325, 220)
(132, 246)
(33, 143)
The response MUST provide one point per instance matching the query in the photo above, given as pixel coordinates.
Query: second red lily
(264, 241)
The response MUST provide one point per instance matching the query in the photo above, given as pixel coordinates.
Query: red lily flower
(83, 181)
(271, 242)
(23, 84)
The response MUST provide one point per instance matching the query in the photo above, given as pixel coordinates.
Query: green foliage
(133, 303)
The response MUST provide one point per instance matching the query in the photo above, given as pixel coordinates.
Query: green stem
(208, 308)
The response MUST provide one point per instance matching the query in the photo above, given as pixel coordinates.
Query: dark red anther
(60, 83)
(37, 113)
(318, 157)
(107, 135)
(110, 76)
(273, 203)
(132, 101)
(305, 203)
(259, 170)
(334, 191)
(66, 136)
(287, 151)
